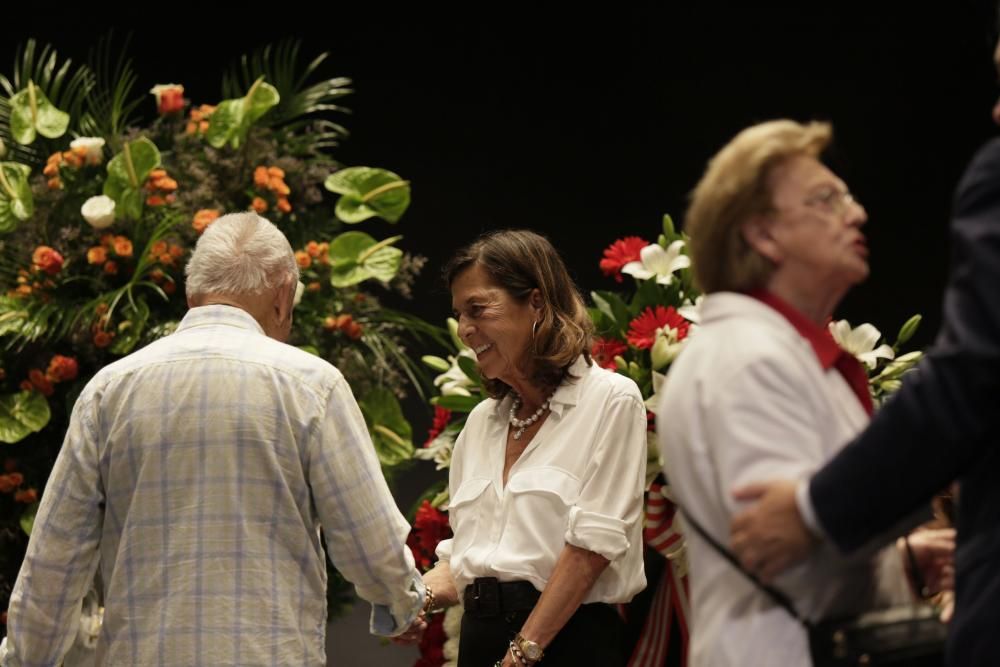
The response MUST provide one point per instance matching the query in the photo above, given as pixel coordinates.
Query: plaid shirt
(196, 473)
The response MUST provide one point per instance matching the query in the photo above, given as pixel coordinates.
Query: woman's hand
(933, 557)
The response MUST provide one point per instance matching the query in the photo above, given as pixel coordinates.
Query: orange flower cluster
(61, 369)
(271, 180)
(11, 481)
(314, 252)
(198, 123)
(203, 218)
(73, 158)
(25, 284)
(100, 255)
(166, 253)
(344, 323)
(160, 188)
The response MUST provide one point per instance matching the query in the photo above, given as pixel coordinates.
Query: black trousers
(592, 636)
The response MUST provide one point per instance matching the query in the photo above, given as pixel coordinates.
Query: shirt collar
(219, 315)
(823, 344)
(565, 395)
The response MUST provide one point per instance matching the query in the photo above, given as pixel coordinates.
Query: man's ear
(284, 301)
(758, 234)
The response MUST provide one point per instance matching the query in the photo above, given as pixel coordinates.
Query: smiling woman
(547, 476)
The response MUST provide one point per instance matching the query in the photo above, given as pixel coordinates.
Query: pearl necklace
(521, 424)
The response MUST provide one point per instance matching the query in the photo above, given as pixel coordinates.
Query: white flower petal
(637, 270)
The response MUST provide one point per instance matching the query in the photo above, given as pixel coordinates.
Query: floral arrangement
(99, 211)
(638, 335)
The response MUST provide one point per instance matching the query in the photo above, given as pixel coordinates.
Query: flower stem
(384, 188)
(375, 248)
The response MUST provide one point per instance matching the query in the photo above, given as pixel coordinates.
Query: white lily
(860, 341)
(439, 450)
(666, 347)
(454, 381)
(655, 261)
(691, 311)
(651, 402)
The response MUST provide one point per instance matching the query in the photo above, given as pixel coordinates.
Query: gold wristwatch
(531, 650)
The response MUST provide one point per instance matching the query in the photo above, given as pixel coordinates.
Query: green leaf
(16, 202)
(356, 256)
(470, 368)
(231, 121)
(127, 174)
(27, 520)
(368, 192)
(391, 433)
(21, 414)
(32, 114)
(457, 403)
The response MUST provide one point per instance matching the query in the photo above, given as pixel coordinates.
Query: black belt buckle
(482, 597)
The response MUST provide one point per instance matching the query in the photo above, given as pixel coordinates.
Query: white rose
(94, 147)
(99, 211)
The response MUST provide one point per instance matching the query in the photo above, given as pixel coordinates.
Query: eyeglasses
(835, 201)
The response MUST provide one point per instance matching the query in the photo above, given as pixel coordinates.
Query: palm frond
(279, 65)
(111, 104)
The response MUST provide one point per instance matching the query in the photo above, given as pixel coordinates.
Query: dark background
(588, 125)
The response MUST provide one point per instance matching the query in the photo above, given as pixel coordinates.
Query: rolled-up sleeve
(365, 531)
(610, 499)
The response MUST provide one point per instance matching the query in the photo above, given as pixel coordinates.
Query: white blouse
(580, 481)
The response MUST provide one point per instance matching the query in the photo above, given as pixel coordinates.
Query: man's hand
(770, 536)
(414, 633)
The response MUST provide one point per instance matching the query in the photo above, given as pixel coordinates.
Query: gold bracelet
(429, 600)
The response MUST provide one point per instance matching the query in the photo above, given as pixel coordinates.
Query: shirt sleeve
(611, 492)
(365, 531)
(63, 551)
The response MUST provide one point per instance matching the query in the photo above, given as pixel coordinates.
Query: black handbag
(911, 635)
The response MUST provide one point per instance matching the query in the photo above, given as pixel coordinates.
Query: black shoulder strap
(779, 598)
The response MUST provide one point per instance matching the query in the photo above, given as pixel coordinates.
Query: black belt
(486, 597)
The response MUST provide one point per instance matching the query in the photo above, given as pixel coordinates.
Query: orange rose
(54, 184)
(157, 174)
(62, 369)
(40, 382)
(283, 205)
(47, 259)
(166, 259)
(277, 172)
(103, 338)
(354, 331)
(324, 253)
(313, 249)
(302, 259)
(123, 247)
(158, 248)
(203, 218)
(176, 251)
(259, 205)
(97, 255)
(110, 268)
(279, 186)
(155, 200)
(260, 177)
(166, 184)
(26, 496)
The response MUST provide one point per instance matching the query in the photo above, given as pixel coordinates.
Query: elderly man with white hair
(197, 472)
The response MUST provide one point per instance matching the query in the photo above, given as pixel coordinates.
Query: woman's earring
(534, 329)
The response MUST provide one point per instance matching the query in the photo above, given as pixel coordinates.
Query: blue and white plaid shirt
(196, 472)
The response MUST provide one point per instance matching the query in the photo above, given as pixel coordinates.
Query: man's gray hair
(240, 253)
